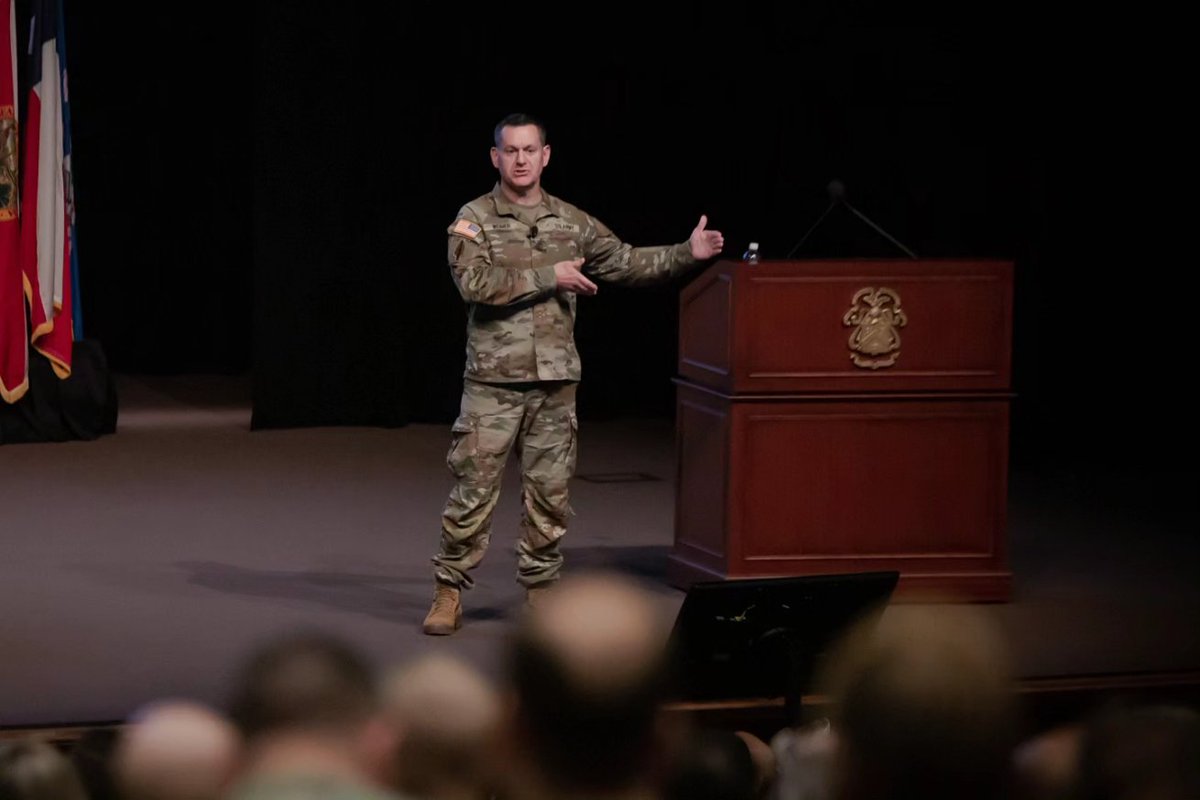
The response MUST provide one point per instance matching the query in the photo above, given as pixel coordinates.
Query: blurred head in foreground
(34, 770)
(308, 705)
(444, 714)
(924, 707)
(176, 750)
(587, 678)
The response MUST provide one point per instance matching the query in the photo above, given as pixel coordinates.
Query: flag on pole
(14, 348)
(47, 207)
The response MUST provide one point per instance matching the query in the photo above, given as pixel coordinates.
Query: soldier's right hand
(570, 279)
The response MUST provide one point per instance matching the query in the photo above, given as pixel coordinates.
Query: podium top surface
(896, 266)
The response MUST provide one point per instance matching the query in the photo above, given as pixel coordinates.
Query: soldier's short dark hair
(303, 681)
(516, 121)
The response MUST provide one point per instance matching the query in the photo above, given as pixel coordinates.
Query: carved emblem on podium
(877, 317)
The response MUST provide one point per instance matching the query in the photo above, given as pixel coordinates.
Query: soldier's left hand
(705, 243)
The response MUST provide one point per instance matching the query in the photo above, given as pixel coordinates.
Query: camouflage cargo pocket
(464, 442)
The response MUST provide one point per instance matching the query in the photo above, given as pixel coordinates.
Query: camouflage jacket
(502, 256)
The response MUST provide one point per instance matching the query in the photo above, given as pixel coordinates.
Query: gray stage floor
(148, 563)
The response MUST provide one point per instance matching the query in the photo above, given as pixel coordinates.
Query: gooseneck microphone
(837, 195)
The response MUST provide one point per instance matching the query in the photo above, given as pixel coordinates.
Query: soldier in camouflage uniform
(518, 257)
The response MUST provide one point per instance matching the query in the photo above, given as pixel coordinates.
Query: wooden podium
(845, 416)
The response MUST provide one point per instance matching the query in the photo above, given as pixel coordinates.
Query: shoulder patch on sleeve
(464, 227)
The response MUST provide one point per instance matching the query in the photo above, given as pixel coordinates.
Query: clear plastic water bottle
(751, 254)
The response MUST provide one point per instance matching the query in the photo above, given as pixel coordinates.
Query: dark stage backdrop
(317, 159)
(161, 120)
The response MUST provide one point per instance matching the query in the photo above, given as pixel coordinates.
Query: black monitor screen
(762, 637)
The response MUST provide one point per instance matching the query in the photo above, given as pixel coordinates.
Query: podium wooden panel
(800, 454)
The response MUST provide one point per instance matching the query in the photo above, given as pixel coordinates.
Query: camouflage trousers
(538, 421)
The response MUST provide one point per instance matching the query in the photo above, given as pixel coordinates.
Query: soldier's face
(521, 156)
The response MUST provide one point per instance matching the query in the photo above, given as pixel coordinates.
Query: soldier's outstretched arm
(480, 281)
(608, 258)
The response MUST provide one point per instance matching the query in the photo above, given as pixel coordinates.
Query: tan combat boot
(446, 615)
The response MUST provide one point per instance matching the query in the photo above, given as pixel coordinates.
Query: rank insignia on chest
(467, 228)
